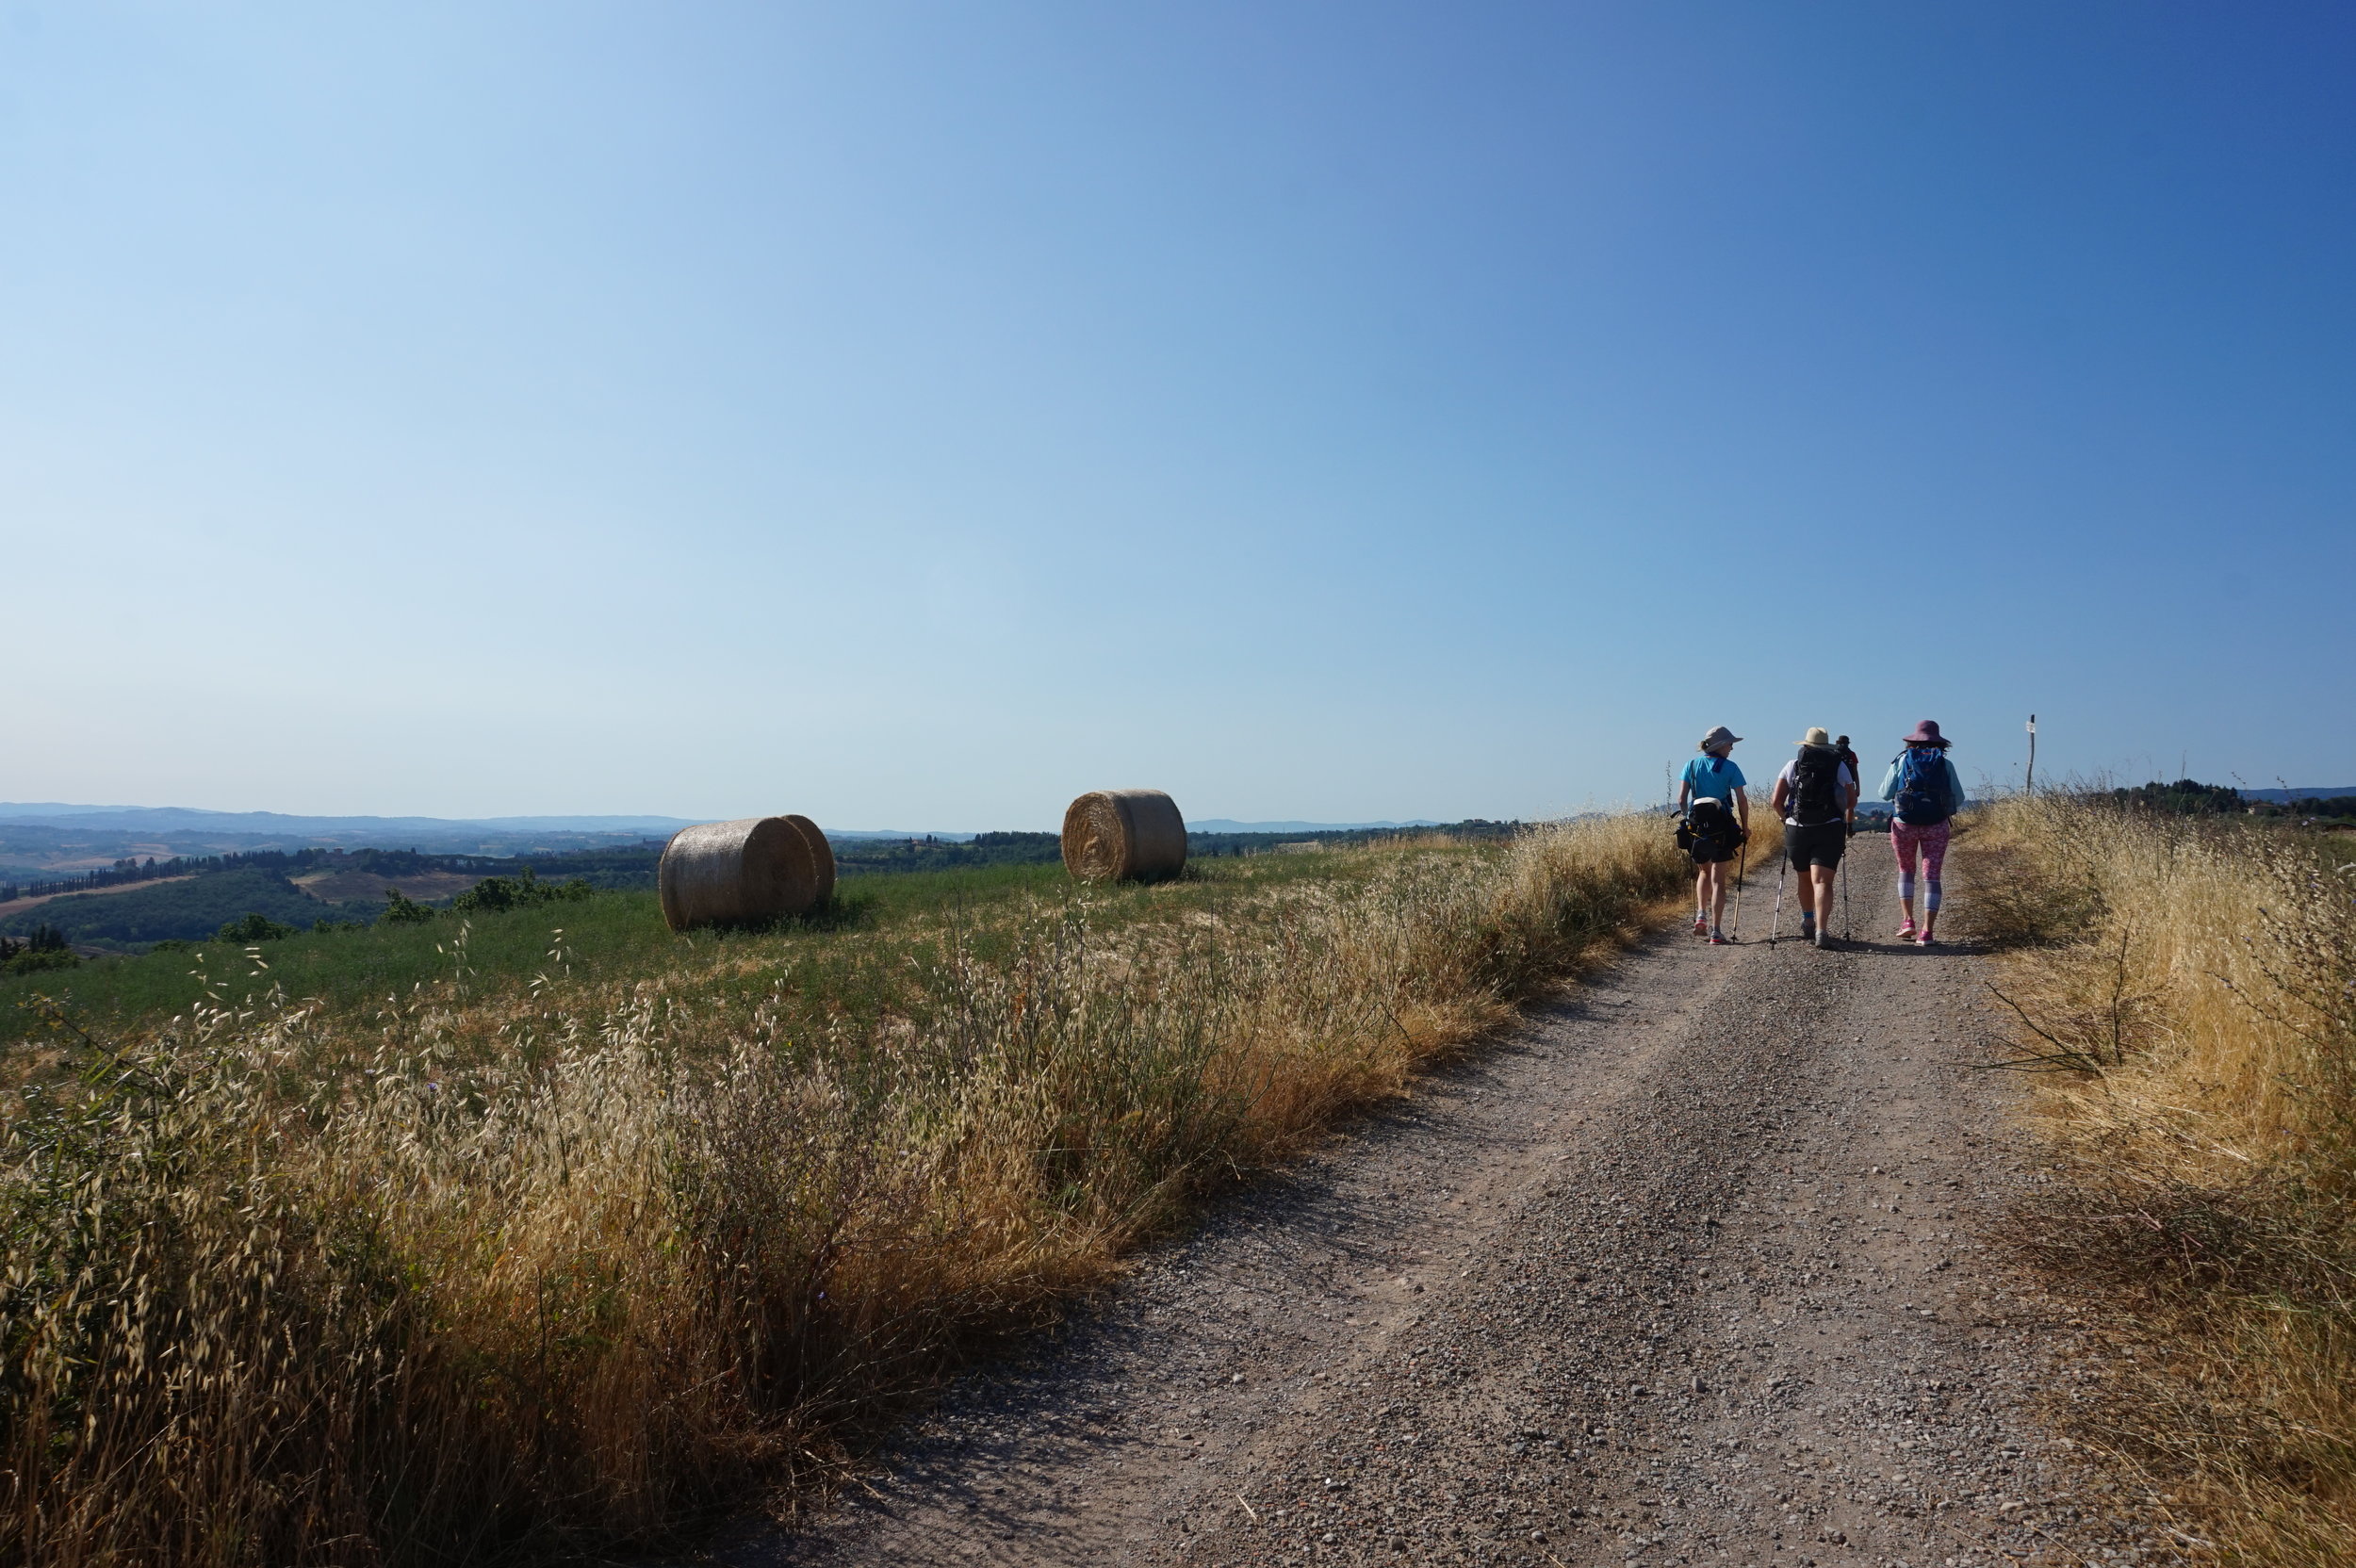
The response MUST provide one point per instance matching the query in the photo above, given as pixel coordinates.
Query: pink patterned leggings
(1932, 844)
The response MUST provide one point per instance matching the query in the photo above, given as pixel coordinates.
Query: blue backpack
(1923, 787)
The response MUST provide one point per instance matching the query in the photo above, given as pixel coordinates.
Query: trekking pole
(1742, 859)
(1848, 926)
(1776, 925)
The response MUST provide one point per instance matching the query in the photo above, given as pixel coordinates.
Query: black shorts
(1820, 845)
(1706, 853)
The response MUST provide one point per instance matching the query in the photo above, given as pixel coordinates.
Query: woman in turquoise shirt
(1713, 777)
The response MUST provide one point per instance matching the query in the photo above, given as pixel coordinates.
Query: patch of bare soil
(1689, 1269)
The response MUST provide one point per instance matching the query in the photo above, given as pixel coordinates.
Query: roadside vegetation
(2187, 981)
(542, 1232)
(134, 904)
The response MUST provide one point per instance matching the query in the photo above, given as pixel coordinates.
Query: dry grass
(487, 1276)
(2193, 987)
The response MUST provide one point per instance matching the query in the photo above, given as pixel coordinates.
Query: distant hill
(170, 819)
(943, 834)
(45, 836)
(2318, 792)
(107, 831)
(1227, 825)
(441, 833)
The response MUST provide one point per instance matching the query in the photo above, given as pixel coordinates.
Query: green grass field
(608, 942)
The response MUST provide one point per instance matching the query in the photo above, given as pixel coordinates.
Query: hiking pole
(1848, 926)
(1776, 925)
(1742, 859)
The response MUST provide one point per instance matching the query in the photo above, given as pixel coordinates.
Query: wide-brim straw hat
(1927, 734)
(1720, 736)
(1819, 736)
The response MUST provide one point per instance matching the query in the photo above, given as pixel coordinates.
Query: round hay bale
(820, 856)
(1123, 834)
(738, 872)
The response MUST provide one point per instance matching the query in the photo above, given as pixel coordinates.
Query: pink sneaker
(1906, 932)
(1922, 940)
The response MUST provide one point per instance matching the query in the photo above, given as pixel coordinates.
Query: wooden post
(2031, 784)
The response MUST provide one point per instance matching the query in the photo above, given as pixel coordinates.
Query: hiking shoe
(1718, 938)
(1923, 939)
(1823, 936)
(1701, 926)
(1906, 932)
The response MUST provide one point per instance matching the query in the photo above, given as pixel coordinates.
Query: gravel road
(1687, 1269)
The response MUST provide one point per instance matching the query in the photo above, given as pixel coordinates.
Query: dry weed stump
(745, 872)
(1123, 836)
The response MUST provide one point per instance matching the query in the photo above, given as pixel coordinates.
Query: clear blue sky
(913, 415)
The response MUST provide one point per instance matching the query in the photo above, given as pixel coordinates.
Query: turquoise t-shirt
(1716, 777)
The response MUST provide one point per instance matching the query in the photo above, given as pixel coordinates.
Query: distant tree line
(2184, 798)
(626, 866)
(152, 869)
(2188, 797)
(2338, 808)
(870, 857)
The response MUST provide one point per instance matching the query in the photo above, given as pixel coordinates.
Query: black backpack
(1708, 826)
(1816, 785)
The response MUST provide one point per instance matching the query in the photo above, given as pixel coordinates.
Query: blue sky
(915, 415)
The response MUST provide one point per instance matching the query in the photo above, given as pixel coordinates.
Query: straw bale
(738, 872)
(821, 856)
(1123, 834)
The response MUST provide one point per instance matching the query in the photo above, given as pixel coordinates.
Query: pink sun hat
(1927, 734)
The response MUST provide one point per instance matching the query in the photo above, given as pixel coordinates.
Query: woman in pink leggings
(1926, 791)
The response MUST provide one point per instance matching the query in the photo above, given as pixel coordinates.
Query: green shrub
(256, 927)
(43, 948)
(400, 909)
(494, 894)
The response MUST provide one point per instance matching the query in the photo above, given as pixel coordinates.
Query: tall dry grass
(284, 1287)
(2193, 985)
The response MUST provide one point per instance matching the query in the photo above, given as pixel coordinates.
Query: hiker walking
(1713, 820)
(1925, 791)
(1814, 796)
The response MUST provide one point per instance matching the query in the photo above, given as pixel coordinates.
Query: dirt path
(1684, 1271)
